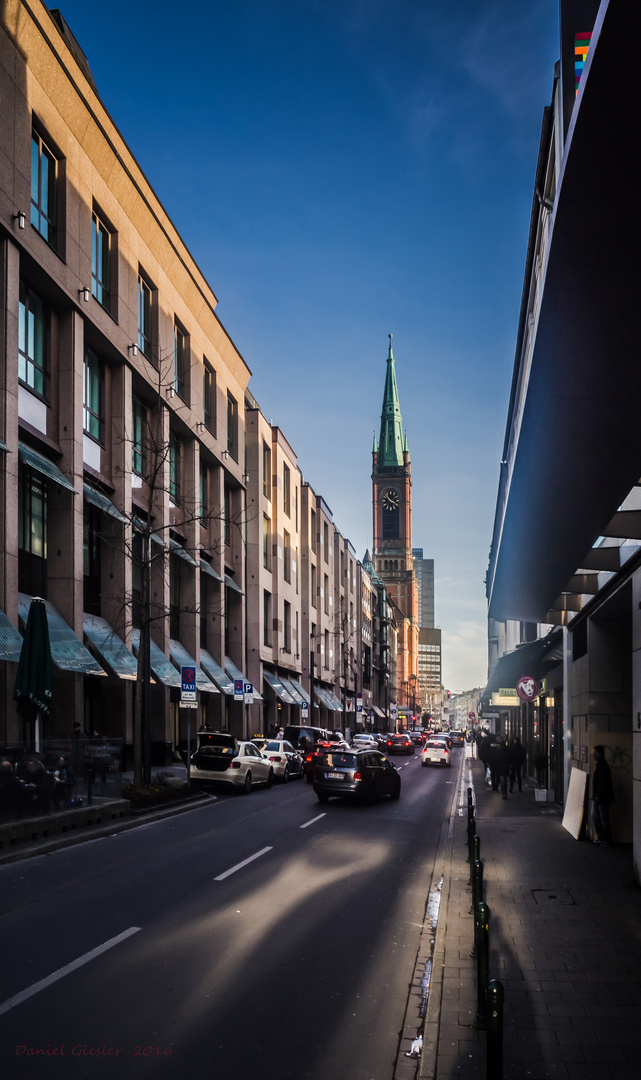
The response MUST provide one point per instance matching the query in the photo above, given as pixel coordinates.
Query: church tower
(392, 533)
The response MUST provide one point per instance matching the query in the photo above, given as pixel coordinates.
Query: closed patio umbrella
(33, 688)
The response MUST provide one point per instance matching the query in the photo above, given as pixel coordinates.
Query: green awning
(161, 665)
(43, 465)
(216, 673)
(96, 498)
(67, 651)
(111, 648)
(181, 658)
(10, 640)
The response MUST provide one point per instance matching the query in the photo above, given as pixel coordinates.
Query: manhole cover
(553, 896)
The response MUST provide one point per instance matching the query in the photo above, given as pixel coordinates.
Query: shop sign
(527, 688)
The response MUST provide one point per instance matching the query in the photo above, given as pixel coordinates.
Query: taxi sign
(187, 684)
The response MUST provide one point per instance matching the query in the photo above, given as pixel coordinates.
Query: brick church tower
(392, 533)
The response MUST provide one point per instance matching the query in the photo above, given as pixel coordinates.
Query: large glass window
(31, 340)
(100, 256)
(139, 438)
(287, 556)
(174, 597)
(267, 618)
(93, 421)
(286, 490)
(144, 316)
(91, 560)
(180, 361)
(32, 532)
(209, 398)
(43, 189)
(267, 471)
(232, 426)
(287, 627)
(174, 469)
(267, 563)
(204, 502)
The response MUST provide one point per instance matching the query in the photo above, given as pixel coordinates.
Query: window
(209, 398)
(326, 594)
(287, 556)
(232, 426)
(313, 530)
(174, 469)
(180, 361)
(267, 618)
(227, 516)
(326, 541)
(44, 170)
(139, 438)
(93, 420)
(204, 502)
(174, 597)
(287, 627)
(267, 471)
(313, 585)
(32, 532)
(144, 316)
(326, 649)
(91, 559)
(100, 257)
(31, 341)
(266, 542)
(286, 490)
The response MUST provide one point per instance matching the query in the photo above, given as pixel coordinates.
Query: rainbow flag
(581, 46)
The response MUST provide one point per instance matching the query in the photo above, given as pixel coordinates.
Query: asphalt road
(264, 935)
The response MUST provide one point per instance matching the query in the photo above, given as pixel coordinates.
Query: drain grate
(552, 896)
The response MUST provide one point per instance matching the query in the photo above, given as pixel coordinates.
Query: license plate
(334, 776)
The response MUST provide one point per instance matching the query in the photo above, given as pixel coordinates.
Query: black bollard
(482, 917)
(471, 833)
(476, 851)
(494, 1043)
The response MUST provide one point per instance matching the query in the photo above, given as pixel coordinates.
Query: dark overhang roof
(534, 659)
(579, 449)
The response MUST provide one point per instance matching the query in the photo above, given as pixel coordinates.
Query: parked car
(357, 774)
(436, 752)
(223, 759)
(399, 744)
(285, 761)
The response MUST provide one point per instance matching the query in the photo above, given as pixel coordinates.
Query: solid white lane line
(61, 972)
(317, 818)
(239, 866)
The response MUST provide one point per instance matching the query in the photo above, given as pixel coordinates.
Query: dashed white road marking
(245, 862)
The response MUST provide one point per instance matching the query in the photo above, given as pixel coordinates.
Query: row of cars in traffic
(325, 758)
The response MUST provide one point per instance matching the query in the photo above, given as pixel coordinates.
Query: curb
(45, 847)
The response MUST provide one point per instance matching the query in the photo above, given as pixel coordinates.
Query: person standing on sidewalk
(516, 755)
(602, 796)
(502, 765)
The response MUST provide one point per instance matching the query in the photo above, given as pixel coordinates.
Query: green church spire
(391, 443)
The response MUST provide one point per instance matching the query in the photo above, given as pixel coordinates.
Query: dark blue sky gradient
(340, 171)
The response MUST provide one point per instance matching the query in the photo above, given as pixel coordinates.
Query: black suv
(356, 774)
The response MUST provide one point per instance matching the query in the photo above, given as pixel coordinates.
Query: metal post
(494, 1043)
(476, 846)
(482, 916)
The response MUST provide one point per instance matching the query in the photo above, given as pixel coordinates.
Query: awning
(161, 665)
(335, 702)
(10, 640)
(379, 712)
(67, 651)
(181, 552)
(232, 584)
(301, 690)
(236, 673)
(204, 566)
(111, 648)
(278, 688)
(43, 465)
(321, 696)
(141, 527)
(3, 446)
(216, 673)
(535, 659)
(181, 658)
(96, 498)
(289, 686)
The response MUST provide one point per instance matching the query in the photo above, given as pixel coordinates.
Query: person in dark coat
(483, 749)
(516, 755)
(501, 761)
(602, 797)
(15, 797)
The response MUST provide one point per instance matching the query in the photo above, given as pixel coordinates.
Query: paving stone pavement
(565, 942)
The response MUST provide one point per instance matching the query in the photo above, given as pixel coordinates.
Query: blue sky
(342, 170)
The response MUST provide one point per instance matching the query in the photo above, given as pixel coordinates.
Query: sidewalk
(565, 942)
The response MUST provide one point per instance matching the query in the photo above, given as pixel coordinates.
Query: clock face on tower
(390, 499)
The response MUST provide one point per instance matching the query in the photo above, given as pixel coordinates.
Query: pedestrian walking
(493, 761)
(516, 756)
(602, 797)
(502, 765)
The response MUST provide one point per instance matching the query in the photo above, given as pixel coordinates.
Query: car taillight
(309, 758)
(275, 757)
(234, 765)
(357, 776)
